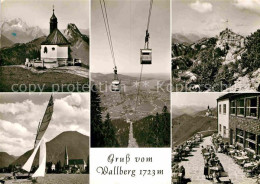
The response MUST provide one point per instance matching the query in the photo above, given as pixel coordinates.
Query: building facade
(244, 120)
(223, 117)
(55, 49)
(73, 165)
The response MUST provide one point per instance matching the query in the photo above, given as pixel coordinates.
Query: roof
(76, 162)
(234, 95)
(56, 38)
(53, 17)
(226, 96)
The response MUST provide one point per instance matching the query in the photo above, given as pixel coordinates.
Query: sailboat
(39, 143)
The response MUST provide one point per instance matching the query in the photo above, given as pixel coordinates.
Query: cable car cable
(149, 15)
(115, 86)
(105, 18)
(146, 39)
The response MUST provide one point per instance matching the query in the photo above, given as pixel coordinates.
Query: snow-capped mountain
(17, 53)
(18, 31)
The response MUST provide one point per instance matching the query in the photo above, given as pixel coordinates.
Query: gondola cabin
(115, 85)
(146, 56)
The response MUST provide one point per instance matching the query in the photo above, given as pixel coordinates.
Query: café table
(174, 153)
(249, 165)
(224, 180)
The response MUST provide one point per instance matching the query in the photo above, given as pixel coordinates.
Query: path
(194, 167)
(235, 173)
(132, 141)
(75, 70)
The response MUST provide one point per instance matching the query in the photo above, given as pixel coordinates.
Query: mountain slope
(79, 43)
(214, 64)
(5, 42)
(18, 31)
(185, 126)
(17, 54)
(6, 159)
(77, 145)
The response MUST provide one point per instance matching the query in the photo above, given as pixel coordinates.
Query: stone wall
(248, 124)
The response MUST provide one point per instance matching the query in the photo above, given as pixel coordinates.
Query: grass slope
(185, 126)
(21, 76)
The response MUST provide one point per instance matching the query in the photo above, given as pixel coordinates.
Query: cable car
(146, 56)
(115, 86)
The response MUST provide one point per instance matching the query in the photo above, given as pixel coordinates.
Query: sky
(20, 115)
(195, 99)
(208, 17)
(128, 21)
(39, 12)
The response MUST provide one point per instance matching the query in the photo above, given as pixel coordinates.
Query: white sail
(40, 172)
(27, 166)
(38, 141)
(45, 121)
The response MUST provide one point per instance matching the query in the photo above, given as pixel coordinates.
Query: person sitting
(217, 176)
(187, 150)
(206, 171)
(182, 170)
(243, 153)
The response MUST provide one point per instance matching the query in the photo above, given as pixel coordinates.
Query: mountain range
(16, 54)
(77, 145)
(190, 110)
(186, 39)
(18, 31)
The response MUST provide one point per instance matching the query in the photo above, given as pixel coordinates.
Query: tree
(87, 166)
(251, 58)
(49, 165)
(166, 127)
(97, 135)
(109, 133)
(58, 167)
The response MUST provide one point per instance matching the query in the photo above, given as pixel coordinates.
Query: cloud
(19, 121)
(13, 129)
(253, 5)
(15, 108)
(201, 7)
